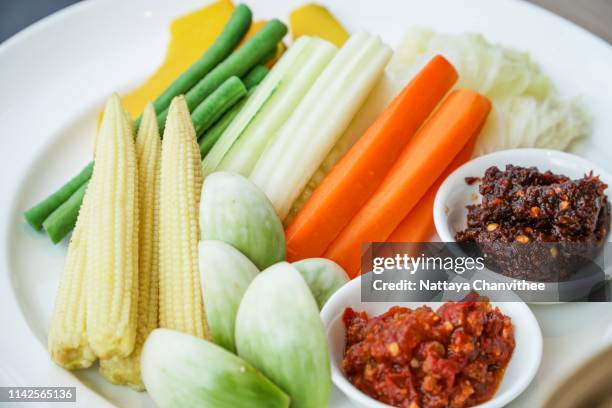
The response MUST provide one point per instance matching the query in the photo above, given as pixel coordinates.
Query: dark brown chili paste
(566, 221)
(453, 357)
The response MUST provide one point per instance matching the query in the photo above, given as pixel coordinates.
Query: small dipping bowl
(450, 212)
(520, 371)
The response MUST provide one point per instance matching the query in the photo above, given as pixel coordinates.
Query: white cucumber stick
(310, 133)
(304, 71)
(263, 91)
(257, 102)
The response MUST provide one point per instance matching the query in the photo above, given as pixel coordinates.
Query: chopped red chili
(453, 357)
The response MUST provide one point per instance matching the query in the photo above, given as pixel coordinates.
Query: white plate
(520, 371)
(55, 75)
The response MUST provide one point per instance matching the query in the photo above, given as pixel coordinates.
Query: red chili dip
(453, 357)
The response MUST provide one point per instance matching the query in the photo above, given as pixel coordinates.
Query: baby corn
(112, 244)
(126, 370)
(180, 298)
(67, 341)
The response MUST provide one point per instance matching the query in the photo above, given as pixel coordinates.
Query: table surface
(594, 15)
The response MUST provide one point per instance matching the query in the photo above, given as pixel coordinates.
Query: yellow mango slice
(313, 19)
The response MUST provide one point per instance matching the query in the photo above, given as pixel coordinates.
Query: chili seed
(534, 212)
(564, 220)
(564, 205)
(523, 239)
(393, 349)
(554, 252)
(492, 227)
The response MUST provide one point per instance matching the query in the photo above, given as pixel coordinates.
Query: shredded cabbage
(527, 111)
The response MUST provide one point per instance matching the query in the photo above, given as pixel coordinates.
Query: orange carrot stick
(359, 173)
(418, 225)
(422, 161)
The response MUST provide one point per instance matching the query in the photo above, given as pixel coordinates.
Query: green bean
(255, 76)
(63, 219)
(217, 103)
(36, 215)
(233, 32)
(250, 80)
(208, 139)
(237, 64)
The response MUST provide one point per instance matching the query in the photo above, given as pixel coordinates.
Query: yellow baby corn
(112, 244)
(126, 370)
(67, 340)
(180, 297)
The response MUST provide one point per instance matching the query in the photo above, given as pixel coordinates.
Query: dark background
(16, 15)
(595, 15)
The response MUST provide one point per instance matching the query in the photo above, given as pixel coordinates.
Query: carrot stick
(418, 225)
(359, 173)
(422, 161)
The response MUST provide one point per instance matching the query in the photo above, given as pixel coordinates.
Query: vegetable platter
(270, 120)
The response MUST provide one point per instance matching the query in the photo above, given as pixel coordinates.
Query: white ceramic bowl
(455, 194)
(450, 213)
(519, 373)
